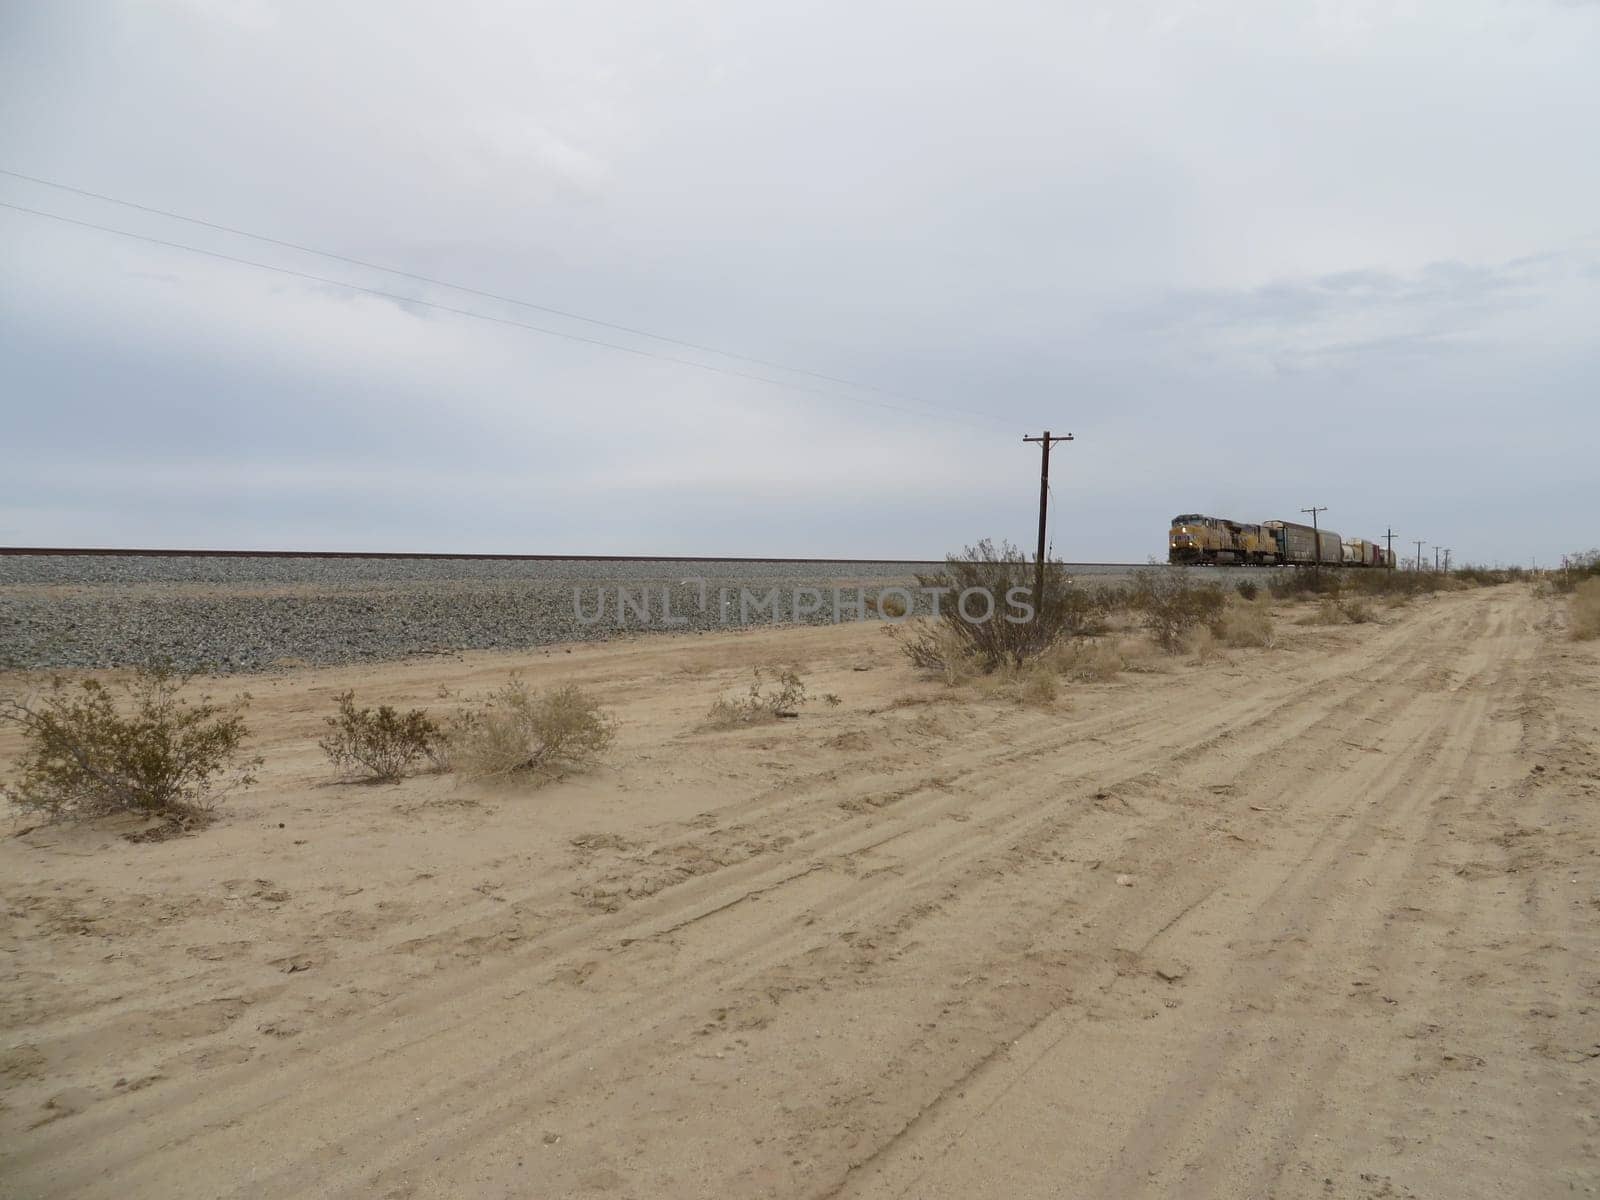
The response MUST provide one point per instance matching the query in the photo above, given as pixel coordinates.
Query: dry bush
(1001, 572)
(1202, 644)
(1172, 604)
(1248, 589)
(515, 731)
(889, 605)
(763, 701)
(1327, 612)
(1036, 686)
(1358, 613)
(90, 752)
(381, 743)
(1245, 622)
(1584, 610)
(1301, 582)
(1086, 659)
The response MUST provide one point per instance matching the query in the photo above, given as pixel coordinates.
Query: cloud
(1245, 254)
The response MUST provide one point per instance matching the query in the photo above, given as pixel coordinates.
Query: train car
(1297, 544)
(1332, 548)
(1353, 552)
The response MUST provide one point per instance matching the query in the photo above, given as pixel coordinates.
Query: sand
(1312, 921)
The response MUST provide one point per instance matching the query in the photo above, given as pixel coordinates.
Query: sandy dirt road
(1314, 921)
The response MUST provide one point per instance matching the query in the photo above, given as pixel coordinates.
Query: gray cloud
(1284, 254)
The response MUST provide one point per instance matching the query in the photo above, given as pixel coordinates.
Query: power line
(477, 316)
(459, 287)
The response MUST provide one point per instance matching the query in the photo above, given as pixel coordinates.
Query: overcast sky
(1255, 256)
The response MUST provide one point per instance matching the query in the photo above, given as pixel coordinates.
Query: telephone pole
(1045, 442)
(1419, 554)
(1447, 560)
(1316, 537)
(1389, 558)
(1436, 560)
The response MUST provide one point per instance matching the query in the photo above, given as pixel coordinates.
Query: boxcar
(1297, 544)
(1332, 548)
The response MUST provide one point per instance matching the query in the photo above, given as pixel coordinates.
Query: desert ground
(1310, 921)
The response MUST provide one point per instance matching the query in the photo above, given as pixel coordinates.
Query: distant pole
(1418, 564)
(1447, 560)
(1436, 560)
(1316, 537)
(1389, 558)
(1045, 442)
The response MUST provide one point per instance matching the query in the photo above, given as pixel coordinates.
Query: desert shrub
(773, 692)
(1086, 659)
(1004, 638)
(515, 731)
(890, 605)
(381, 743)
(1203, 644)
(1488, 576)
(1036, 685)
(1245, 623)
(1328, 612)
(1249, 589)
(92, 749)
(936, 647)
(1171, 604)
(1302, 582)
(1357, 613)
(1574, 569)
(1584, 609)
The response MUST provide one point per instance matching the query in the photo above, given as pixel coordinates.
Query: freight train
(1215, 541)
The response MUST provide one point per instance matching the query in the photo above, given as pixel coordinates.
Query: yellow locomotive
(1195, 538)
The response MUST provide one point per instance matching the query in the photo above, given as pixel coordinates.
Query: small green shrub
(515, 731)
(381, 743)
(90, 752)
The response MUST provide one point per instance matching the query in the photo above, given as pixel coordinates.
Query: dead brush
(1583, 610)
(1340, 612)
(1088, 660)
(515, 731)
(1172, 604)
(936, 648)
(1245, 623)
(1203, 645)
(774, 692)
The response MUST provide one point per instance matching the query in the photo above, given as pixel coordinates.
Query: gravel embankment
(254, 614)
(260, 613)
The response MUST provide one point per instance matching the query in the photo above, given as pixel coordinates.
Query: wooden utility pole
(1045, 442)
(1389, 558)
(1419, 554)
(1447, 560)
(1436, 560)
(1316, 538)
